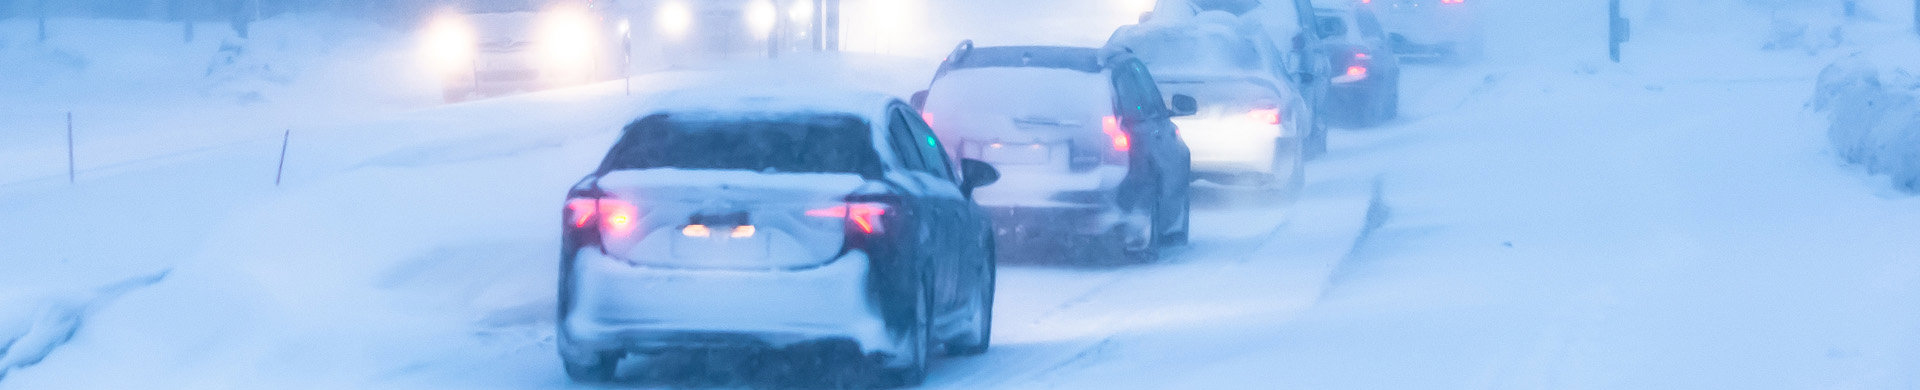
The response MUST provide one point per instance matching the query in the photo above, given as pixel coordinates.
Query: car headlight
(449, 44)
(761, 17)
(567, 39)
(674, 18)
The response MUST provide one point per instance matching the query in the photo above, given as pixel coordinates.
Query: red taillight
(1362, 56)
(580, 212)
(1453, 1)
(1269, 116)
(1111, 126)
(614, 216)
(1357, 71)
(863, 216)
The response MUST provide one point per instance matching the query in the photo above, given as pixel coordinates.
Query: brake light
(1453, 1)
(1269, 116)
(1111, 126)
(1357, 71)
(614, 216)
(580, 212)
(1362, 56)
(863, 216)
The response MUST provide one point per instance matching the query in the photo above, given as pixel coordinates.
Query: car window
(934, 154)
(1139, 97)
(799, 144)
(1370, 25)
(904, 145)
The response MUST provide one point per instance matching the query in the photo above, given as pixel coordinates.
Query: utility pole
(832, 29)
(1618, 30)
(41, 10)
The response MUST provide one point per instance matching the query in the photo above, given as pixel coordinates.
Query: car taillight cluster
(861, 217)
(1111, 126)
(1269, 116)
(592, 219)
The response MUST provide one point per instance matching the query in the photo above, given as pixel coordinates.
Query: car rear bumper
(621, 307)
(1040, 223)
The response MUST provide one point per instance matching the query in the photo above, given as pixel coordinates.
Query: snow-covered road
(1543, 220)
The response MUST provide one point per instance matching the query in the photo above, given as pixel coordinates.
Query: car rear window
(1169, 51)
(1078, 59)
(1014, 103)
(810, 143)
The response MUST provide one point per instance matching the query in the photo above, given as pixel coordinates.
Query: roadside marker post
(70, 165)
(282, 168)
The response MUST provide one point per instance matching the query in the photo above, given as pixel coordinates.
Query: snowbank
(1872, 103)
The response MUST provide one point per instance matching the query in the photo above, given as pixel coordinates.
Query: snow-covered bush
(1874, 113)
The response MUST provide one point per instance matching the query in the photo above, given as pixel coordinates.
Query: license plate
(720, 246)
(1015, 153)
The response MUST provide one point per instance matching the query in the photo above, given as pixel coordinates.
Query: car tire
(1390, 105)
(1185, 234)
(1316, 142)
(589, 367)
(1150, 250)
(976, 343)
(915, 371)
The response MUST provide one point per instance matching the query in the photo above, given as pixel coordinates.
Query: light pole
(1618, 30)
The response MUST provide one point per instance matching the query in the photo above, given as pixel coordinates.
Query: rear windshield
(1071, 58)
(819, 143)
(1014, 102)
(1175, 51)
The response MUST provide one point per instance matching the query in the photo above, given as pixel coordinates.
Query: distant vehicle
(1251, 125)
(1290, 24)
(1367, 90)
(492, 47)
(782, 221)
(1084, 138)
(1446, 29)
(702, 32)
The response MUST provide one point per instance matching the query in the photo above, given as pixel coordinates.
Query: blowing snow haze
(959, 194)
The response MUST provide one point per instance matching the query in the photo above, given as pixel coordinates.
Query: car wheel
(1182, 236)
(1139, 252)
(589, 367)
(914, 372)
(1390, 106)
(975, 343)
(1316, 142)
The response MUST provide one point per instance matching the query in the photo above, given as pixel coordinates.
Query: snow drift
(1873, 105)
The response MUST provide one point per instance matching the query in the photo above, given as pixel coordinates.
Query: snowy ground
(1542, 219)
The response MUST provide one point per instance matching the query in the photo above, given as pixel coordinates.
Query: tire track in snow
(59, 320)
(1097, 324)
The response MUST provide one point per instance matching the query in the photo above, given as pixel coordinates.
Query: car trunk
(737, 220)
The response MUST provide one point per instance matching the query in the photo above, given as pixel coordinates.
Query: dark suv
(1085, 142)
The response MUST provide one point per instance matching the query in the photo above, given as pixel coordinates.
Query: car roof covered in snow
(732, 99)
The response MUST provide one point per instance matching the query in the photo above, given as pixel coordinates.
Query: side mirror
(976, 174)
(1184, 105)
(919, 100)
(1332, 27)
